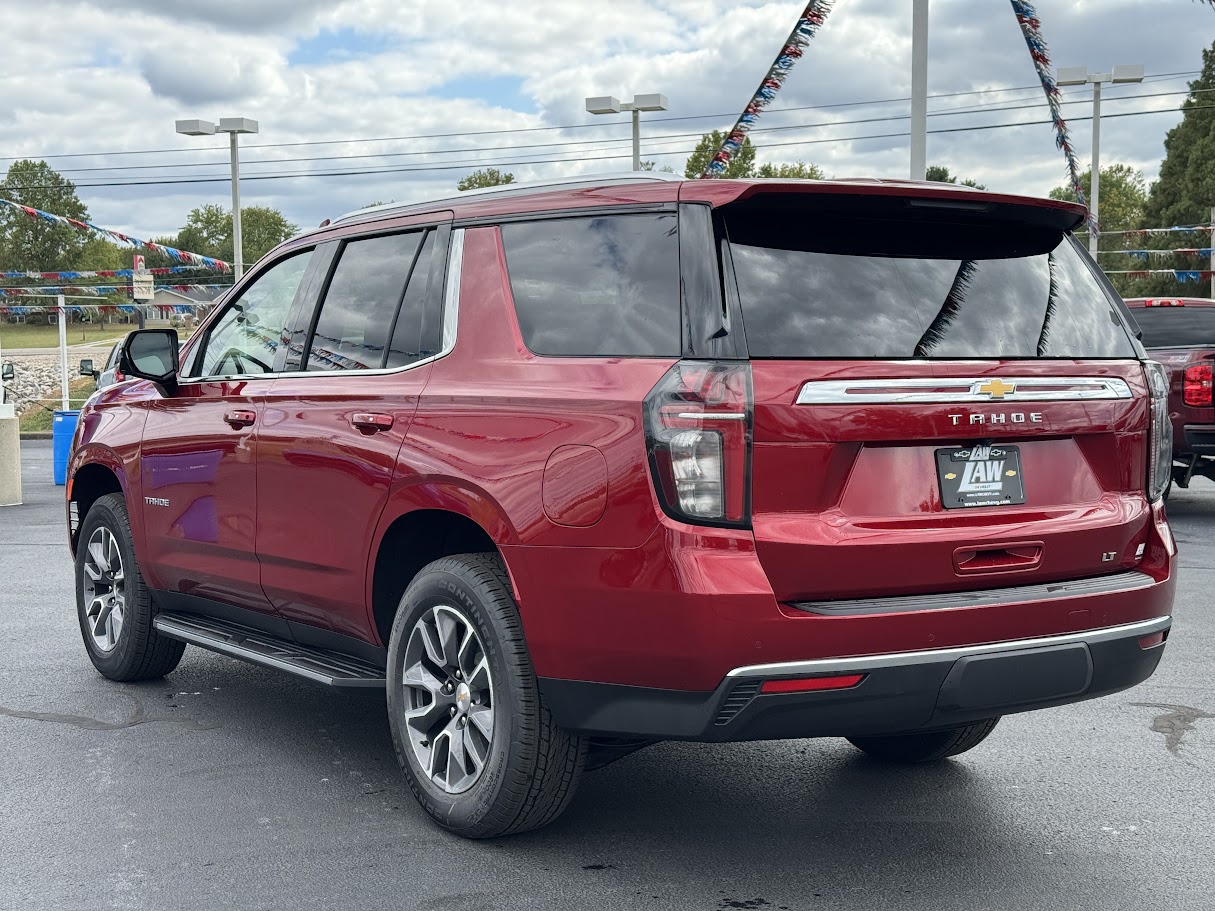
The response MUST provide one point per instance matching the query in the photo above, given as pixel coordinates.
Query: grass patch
(23, 335)
(39, 420)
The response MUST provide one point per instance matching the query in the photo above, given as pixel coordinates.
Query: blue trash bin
(63, 428)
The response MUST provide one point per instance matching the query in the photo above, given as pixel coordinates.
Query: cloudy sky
(423, 92)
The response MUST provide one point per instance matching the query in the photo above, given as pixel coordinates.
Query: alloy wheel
(449, 699)
(105, 589)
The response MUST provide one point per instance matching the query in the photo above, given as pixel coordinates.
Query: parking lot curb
(36, 435)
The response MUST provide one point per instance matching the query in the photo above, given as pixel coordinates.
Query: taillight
(1197, 385)
(698, 433)
(1160, 443)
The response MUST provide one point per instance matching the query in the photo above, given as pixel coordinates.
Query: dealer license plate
(980, 475)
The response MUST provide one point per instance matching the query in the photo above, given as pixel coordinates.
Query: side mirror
(8, 372)
(151, 354)
(86, 368)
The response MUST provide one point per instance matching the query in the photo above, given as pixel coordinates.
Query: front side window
(356, 318)
(242, 342)
(596, 287)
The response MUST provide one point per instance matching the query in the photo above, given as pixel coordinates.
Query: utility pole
(919, 89)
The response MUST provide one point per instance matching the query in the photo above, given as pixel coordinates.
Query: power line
(994, 107)
(573, 126)
(568, 160)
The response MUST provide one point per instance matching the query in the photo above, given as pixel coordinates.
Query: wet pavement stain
(1177, 721)
(138, 716)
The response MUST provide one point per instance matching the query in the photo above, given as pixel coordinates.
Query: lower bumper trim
(903, 693)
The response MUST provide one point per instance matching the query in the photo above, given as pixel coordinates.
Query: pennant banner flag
(807, 27)
(196, 259)
(94, 290)
(1031, 28)
(1178, 229)
(111, 273)
(1147, 254)
(1181, 275)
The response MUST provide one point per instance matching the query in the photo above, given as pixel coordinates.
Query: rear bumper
(1199, 439)
(898, 693)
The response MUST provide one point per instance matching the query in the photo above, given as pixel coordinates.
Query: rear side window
(1176, 327)
(835, 287)
(605, 286)
(356, 318)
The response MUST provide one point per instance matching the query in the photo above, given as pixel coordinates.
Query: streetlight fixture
(233, 126)
(606, 104)
(1079, 75)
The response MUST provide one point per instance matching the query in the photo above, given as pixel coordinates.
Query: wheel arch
(427, 523)
(96, 474)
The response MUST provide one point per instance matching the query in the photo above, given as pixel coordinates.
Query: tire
(911, 749)
(113, 605)
(456, 648)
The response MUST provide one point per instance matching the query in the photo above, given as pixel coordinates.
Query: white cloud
(95, 76)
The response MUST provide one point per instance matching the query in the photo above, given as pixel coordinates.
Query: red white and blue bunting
(183, 256)
(807, 27)
(94, 290)
(1031, 28)
(68, 275)
(1181, 275)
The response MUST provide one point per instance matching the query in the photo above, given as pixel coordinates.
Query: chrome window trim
(933, 656)
(965, 390)
(451, 309)
(451, 290)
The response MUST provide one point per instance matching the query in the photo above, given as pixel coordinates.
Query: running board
(257, 647)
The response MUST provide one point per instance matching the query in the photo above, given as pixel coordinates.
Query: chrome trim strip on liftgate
(933, 656)
(1042, 591)
(951, 390)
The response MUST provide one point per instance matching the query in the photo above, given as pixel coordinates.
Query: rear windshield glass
(1176, 327)
(829, 286)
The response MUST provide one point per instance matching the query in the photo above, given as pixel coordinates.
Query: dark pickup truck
(1179, 332)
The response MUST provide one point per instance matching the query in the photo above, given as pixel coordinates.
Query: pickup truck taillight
(698, 422)
(1160, 441)
(1196, 387)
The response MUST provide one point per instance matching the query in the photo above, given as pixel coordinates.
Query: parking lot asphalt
(225, 786)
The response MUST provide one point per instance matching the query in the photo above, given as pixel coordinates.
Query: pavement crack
(1175, 723)
(138, 716)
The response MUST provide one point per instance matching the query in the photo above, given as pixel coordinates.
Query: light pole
(606, 104)
(919, 89)
(1079, 75)
(233, 126)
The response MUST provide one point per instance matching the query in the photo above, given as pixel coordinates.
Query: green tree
(941, 174)
(99, 255)
(487, 177)
(208, 230)
(741, 165)
(1122, 201)
(796, 171)
(1185, 191)
(34, 244)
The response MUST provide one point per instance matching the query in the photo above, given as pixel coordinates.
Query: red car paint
(1193, 425)
(286, 515)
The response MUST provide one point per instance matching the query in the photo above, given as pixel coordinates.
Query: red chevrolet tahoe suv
(570, 469)
(1179, 332)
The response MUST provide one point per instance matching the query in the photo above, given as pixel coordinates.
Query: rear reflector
(809, 684)
(1151, 641)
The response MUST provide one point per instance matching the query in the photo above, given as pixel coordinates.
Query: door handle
(372, 422)
(240, 418)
